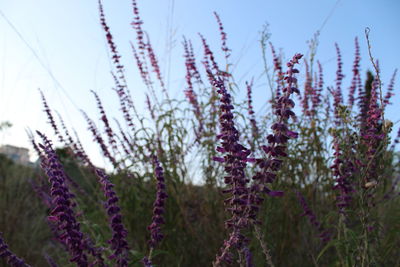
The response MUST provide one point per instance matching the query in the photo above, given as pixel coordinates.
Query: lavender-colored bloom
(141, 64)
(209, 58)
(104, 119)
(158, 206)
(50, 260)
(364, 96)
(319, 84)
(324, 235)
(224, 47)
(118, 241)
(372, 134)
(190, 61)
(80, 151)
(146, 262)
(342, 171)
(192, 73)
(396, 140)
(248, 257)
(97, 137)
(155, 65)
(9, 256)
(254, 127)
(356, 74)
(137, 26)
(69, 142)
(276, 148)
(120, 81)
(235, 161)
(389, 92)
(278, 71)
(63, 214)
(114, 52)
(337, 93)
(51, 118)
(308, 91)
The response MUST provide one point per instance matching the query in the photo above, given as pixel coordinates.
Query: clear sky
(59, 46)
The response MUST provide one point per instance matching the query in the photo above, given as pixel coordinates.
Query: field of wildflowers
(311, 182)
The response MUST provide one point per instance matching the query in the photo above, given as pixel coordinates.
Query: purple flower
(389, 92)
(235, 161)
(158, 206)
(223, 36)
(323, 234)
(118, 241)
(355, 81)
(319, 84)
(254, 128)
(62, 213)
(51, 119)
(8, 255)
(146, 262)
(337, 93)
(343, 170)
(104, 119)
(276, 148)
(99, 140)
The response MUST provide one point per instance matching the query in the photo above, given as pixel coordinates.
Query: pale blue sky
(67, 41)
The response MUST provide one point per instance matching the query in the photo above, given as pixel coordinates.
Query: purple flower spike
(276, 147)
(356, 73)
(158, 206)
(224, 47)
(389, 92)
(324, 235)
(11, 258)
(118, 241)
(146, 262)
(63, 214)
(51, 118)
(253, 122)
(235, 161)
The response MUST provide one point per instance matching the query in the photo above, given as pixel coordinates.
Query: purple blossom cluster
(372, 135)
(277, 70)
(99, 139)
(308, 91)
(343, 170)
(109, 131)
(356, 80)
(390, 89)
(253, 122)
(235, 160)
(8, 255)
(192, 73)
(154, 63)
(51, 119)
(118, 241)
(224, 47)
(317, 92)
(337, 92)
(276, 148)
(324, 235)
(158, 212)
(119, 78)
(158, 206)
(62, 214)
(209, 60)
(245, 200)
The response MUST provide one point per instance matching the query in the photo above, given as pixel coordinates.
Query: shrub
(215, 184)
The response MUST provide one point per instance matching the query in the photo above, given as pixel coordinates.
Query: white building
(17, 154)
